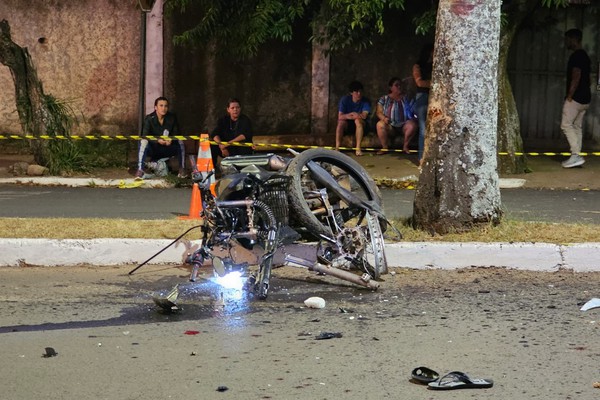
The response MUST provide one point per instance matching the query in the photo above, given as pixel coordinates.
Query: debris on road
(50, 352)
(328, 335)
(593, 303)
(314, 302)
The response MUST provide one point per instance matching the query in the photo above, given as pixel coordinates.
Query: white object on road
(593, 303)
(314, 302)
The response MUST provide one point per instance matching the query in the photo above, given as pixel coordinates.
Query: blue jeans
(421, 110)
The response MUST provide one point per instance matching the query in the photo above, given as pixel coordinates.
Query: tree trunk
(319, 102)
(458, 187)
(509, 131)
(31, 107)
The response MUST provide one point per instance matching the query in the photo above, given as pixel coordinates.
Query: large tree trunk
(458, 186)
(31, 107)
(509, 131)
(319, 102)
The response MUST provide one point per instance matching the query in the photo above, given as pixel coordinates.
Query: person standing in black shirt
(578, 97)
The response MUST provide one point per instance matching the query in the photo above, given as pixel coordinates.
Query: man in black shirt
(578, 96)
(161, 122)
(234, 127)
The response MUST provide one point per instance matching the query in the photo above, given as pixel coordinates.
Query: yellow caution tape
(254, 145)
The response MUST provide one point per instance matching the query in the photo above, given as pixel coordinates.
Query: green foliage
(240, 27)
(555, 3)
(65, 156)
(60, 118)
(68, 156)
(425, 22)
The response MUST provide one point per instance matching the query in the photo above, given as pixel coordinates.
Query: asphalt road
(109, 341)
(81, 202)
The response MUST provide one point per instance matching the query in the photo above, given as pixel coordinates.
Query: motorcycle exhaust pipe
(364, 280)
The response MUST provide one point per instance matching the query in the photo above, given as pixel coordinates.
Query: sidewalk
(546, 173)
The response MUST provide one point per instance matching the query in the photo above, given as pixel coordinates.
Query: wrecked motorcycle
(269, 207)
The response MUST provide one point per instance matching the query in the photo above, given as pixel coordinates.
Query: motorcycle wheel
(345, 170)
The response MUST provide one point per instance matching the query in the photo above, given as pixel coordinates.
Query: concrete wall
(86, 52)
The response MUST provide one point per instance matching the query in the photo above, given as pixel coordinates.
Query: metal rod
(163, 249)
(364, 280)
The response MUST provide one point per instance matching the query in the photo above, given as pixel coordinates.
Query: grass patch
(91, 228)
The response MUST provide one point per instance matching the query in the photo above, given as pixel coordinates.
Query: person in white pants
(578, 97)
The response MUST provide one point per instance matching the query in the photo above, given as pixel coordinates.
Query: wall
(89, 56)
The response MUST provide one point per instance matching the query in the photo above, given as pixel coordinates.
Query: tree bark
(320, 66)
(509, 130)
(459, 185)
(29, 92)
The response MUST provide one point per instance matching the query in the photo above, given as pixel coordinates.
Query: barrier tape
(255, 145)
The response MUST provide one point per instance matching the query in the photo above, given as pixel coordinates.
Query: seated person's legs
(339, 132)
(143, 150)
(383, 133)
(360, 127)
(240, 150)
(157, 151)
(215, 153)
(410, 128)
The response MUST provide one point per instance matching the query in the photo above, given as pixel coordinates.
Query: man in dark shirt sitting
(161, 122)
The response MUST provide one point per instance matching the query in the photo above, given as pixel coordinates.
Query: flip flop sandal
(459, 380)
(135, 184)
(382, 152)
(424, 375)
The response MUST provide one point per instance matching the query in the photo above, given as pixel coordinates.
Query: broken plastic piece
(593, 303)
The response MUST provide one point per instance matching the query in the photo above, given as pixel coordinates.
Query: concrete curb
(416, 255)
(84, 182)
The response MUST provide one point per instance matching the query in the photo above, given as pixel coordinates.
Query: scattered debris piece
(593, 303)
(50, 352)
(222, 389)
(328, 335)
(596, 385)
(191, 332)
(168, 303)
(314, 302)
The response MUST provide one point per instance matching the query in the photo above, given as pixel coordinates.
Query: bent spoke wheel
(375, 248)
(308, 208)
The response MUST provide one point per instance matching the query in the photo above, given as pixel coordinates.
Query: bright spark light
(232, 280)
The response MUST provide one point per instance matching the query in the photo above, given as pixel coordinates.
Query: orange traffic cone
(205, 165)
(195, 204)
(204, 161)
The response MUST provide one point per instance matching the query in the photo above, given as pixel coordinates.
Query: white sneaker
(574, 161)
